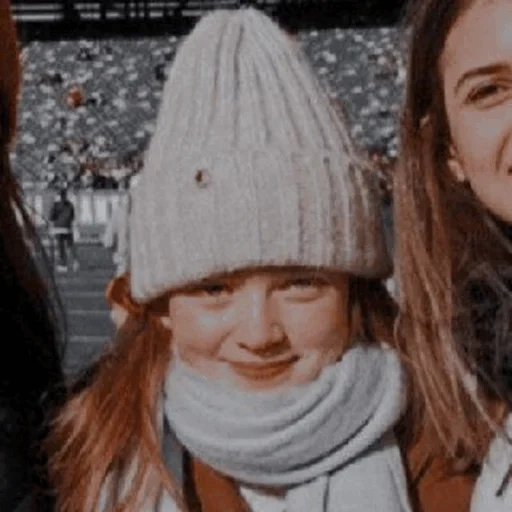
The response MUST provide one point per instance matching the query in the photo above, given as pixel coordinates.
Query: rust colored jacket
(432, 488)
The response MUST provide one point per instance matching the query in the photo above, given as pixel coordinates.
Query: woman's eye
(487, 94)
(305, 283)
(214, 289)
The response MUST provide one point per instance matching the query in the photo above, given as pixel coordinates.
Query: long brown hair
(9, 73)
(109, 425)
(32, 383)
(444, 235)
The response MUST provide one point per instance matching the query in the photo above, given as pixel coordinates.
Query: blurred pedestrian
(62, 216)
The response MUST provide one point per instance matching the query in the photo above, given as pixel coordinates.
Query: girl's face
(262, 329)
(476, 68)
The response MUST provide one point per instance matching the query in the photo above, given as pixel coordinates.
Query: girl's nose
(260, 329)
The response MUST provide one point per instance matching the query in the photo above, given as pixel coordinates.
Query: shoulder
(259, 501)
(168, 504)
(493, 490)
(433, 486)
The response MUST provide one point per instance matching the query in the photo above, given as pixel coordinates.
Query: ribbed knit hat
(250, 165)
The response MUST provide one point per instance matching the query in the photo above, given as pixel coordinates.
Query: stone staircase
(87, 314)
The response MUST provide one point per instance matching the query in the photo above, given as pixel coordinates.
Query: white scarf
(329, 442)
(493, 489)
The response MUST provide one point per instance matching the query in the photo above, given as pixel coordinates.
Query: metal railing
(34, 11)
(133, 15)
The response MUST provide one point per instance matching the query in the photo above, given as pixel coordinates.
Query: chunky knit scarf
(330, 442)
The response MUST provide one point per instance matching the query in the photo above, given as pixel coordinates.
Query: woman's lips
(262, 371)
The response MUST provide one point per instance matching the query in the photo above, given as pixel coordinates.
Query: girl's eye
(214, 289)
(486, 94)
(306, 282)
(208, 289)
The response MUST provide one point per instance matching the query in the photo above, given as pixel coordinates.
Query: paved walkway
(82, 294)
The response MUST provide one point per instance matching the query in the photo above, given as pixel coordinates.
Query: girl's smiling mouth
(263, 371)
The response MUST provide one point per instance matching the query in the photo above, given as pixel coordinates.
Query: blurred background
(93, 73)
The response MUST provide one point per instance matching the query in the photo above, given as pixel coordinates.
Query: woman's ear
(118, 315)
(166, 321)
(455, 166)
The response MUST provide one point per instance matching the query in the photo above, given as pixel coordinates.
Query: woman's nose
(260, 330)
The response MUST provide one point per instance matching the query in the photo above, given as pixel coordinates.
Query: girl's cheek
(196, 341)
(321, 329)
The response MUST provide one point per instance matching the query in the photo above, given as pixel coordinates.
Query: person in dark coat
(62, 217)
(31, 375)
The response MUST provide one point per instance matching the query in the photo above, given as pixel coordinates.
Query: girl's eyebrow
(208, 281)
(238, 277)
(307, 274)
(491, 69)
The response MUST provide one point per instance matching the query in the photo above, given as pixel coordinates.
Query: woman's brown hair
(32, 383)
(9, 74)
(109, 425)
(444, 237)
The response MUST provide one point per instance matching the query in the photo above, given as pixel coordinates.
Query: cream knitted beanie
(250, 165)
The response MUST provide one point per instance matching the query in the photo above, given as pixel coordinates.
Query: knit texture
(329, 442)
(250, 165)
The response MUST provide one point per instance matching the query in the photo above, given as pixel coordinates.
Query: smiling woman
(477, 85)
(257, 313)
(263, 329)
(453, 217)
